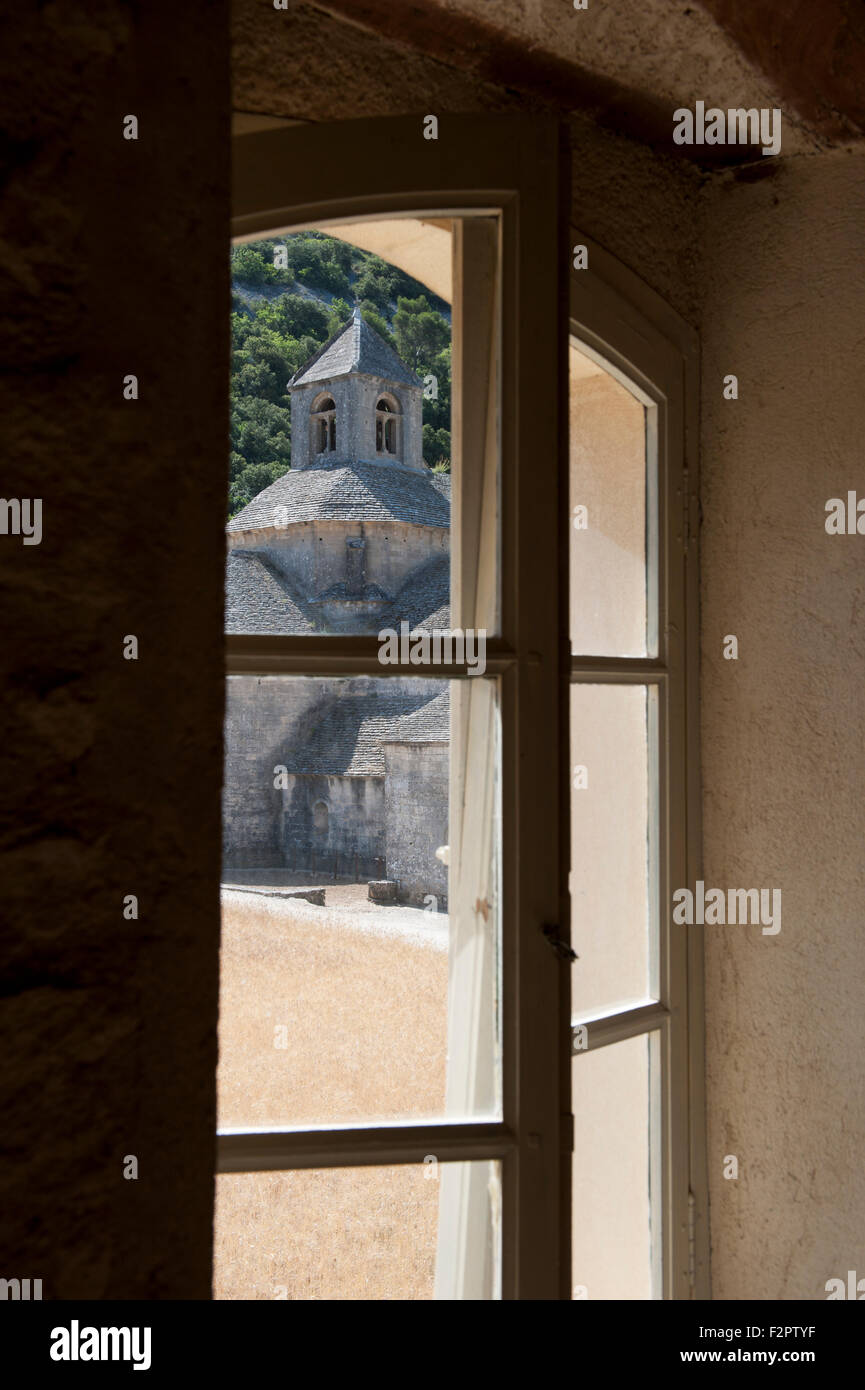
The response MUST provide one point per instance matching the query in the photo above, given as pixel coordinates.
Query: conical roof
(355, 348)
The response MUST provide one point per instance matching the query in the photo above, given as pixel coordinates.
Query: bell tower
(356, 402)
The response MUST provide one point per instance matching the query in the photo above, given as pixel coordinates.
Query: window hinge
(692, 1240)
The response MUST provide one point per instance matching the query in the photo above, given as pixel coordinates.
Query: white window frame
(484, 167)
(293, 177)
(629, 330)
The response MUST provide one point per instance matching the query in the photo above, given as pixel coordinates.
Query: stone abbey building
(353, 539)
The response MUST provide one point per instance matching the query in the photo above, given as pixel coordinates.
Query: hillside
(285, 304)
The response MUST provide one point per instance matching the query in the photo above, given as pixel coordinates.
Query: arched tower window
(320, 817)
(387, 426)
(323, 426)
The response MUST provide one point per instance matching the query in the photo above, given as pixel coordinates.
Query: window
(386, 426)
(323, 420)
(477, 1155)
(638, 1176)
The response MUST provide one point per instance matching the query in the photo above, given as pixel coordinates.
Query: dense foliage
(289, 295)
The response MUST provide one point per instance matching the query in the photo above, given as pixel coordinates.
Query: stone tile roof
(355, 492)
(344, 734)
(429, 723)
(369, 592)
(424, 599)
(442, 483)
(355, 348)
(258, 600)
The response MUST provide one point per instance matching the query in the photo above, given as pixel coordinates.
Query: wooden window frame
(617, 319)
(516, 168)
(510, 167)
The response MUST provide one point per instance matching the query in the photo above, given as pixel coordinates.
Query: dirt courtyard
(329, 1015)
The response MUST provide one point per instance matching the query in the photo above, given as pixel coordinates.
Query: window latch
(555, 942)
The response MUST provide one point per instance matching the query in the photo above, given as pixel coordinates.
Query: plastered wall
(782, 746)
(639, 203)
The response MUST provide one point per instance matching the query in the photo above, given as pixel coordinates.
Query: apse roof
(260, 599)
(349, 492)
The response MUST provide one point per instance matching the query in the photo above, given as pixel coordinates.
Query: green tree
(338, 316)
(421, 333)
(376, 321)
(256, 379)
(437, 407)
(248, 265)
(293, 316)
(325, 275)
(437, 448)
(250, 481)
(253, 264)
(372, 286)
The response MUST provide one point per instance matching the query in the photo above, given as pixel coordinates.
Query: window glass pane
(608, 532)
(340, 430)
(613, 847)
(359, 971)
(617, 1171)
(341, 391)
(389, 1233)
(345, 358)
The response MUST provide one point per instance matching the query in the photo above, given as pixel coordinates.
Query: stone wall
(312, 554)
(259, 712)
(114, 263)
(355, 400)
(416, 819)
(351, 843)
(371, 832)
(303, 399)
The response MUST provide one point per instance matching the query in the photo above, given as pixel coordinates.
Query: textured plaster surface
(639, 204)
(112, 261)
(782, 747)
(628, 65)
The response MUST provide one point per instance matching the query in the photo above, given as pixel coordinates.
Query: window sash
(507, 168)
(619, 321)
